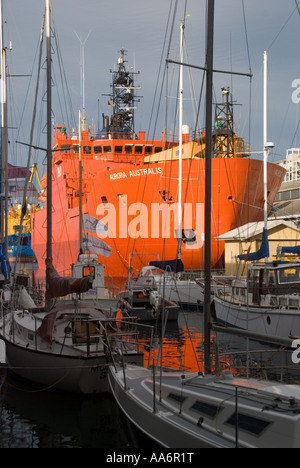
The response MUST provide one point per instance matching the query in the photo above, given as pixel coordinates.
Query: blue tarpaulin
(263, 252)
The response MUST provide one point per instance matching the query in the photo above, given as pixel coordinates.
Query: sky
(140, 27)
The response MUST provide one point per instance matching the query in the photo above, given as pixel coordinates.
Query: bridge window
(139, 149)
(98, 149)
(118, 149)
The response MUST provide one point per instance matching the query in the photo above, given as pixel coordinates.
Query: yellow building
(249, 237)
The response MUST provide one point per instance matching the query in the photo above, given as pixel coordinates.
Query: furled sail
(175, 266)
(263, 251)
(58, 286)
(290, 250)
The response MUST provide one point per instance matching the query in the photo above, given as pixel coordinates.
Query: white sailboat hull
(187, 294)
(74, 374)
(163, 426)
(68, 373)
(263, 320)
(192, 411)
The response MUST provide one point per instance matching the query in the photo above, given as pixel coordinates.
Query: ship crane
(35, 171)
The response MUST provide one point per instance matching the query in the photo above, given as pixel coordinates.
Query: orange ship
(130, 190)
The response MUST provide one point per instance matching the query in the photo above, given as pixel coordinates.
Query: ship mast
(122, 100)
(223, 134)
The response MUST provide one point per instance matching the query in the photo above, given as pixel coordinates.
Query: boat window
(156, 271)
(176, 397)
(289, 275)
(98, 149)
(148, 149)
(89, 271)
(85, 332)
(118, 149)
(66, 148)
(158, 149)
(249, 424)
(128, 149)
(107, 149)
(76, 149)
(138, 149)
(87, 149)
(270, 278)
(205, 408)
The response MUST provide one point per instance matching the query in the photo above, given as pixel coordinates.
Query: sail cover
(58, 286)
(176, 266)
(291, 250)
(263, 251)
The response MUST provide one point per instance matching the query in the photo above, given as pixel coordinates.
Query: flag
(96, 246)
(91, 224)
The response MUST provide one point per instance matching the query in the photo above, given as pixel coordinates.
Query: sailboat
(267, 301)
(189, 410)
(65, 345)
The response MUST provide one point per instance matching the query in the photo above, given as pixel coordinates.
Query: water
(32, 418)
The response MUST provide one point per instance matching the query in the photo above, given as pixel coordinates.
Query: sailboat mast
(4, 142)
(208, 156)
(265, 137)
(49, 131)
(179, 249)
(81, 121)
(267, 145)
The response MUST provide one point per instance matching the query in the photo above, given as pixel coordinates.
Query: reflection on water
(36, 419)
(182, 343)
(31, 418)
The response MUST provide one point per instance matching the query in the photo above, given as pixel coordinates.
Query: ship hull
(138, 207)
